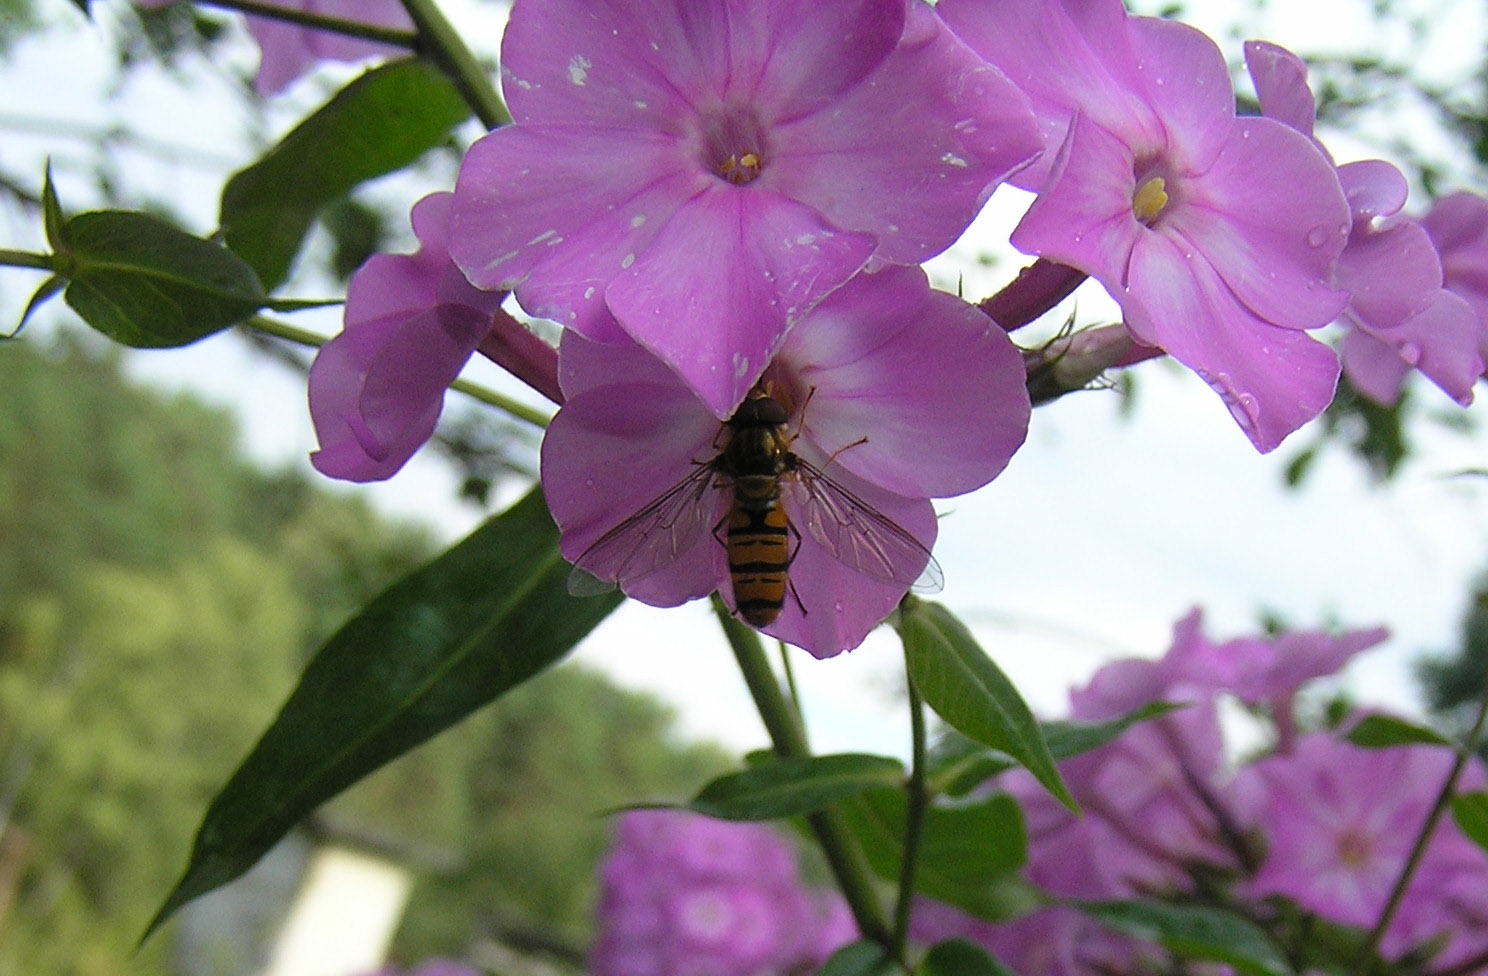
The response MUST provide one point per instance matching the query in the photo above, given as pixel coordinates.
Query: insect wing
(647, 541)
(860, 536)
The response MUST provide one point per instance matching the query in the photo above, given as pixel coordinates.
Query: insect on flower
(756, 465)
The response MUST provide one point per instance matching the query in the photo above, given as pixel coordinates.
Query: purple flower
(1458, 224)
(897, 393)
(1399, 315)
(1217, 235)
(412, 322)
(289, 50)
(698, 174)
(1339, 822)
(667, 908)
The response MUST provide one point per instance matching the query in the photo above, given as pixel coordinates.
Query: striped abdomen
(758, 544)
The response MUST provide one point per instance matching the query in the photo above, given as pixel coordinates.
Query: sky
(1111, 523)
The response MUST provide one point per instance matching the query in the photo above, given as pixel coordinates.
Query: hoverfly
(754, 459)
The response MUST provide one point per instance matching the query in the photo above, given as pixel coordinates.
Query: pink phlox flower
(1399, 315)
(698, 174)
(1458, 225)
(666, 910)
(897, 393)
(1051, 942)
(289, 50)
(1339, 822)
(1216, 234)
(412, 322)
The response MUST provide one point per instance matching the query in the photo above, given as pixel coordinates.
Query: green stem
(844, 856)
(394, 36)
(1369, 955)
(790, 686)
(25, 259)
(440, 42)
(914, 820)
(304, 337)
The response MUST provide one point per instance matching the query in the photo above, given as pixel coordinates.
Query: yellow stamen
(740, 169)
(1150, 199)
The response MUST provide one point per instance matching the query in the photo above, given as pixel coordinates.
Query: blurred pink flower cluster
(1317, 821)
(682, 895)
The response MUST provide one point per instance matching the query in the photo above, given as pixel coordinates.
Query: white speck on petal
(637, 220)
(951, 159)
(741, 366)
(542, 237)
(893, 228)
(578, 69)
(628, 260)
(655, 46)
(500, 260)
(804, 239)
(639, 104)
(589, 292)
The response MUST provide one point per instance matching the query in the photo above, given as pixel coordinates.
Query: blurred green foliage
(157, 598)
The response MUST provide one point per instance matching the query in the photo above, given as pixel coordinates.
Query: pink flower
(1339, 822)
(698, 174)
(412, 322)
(1458, 224)
(898, 393)
(1399, 315)
(289, 50)
(1217, 235)
(667, 909)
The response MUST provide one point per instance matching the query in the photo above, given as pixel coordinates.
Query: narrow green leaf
(146, 283)
(859, 959)
(1067, 739)
(1470, 810)
(958, 957)
(969, 855)
(52, 220)
(971, 693)
(1192, 931)
(1384, 732)
(300, 304)
(48, 288)
(381, 122)
(446, 639)
(793, 787)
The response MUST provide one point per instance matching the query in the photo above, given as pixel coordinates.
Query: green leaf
(859, 959)
(1192, 931)
(1384, 732)
(43, 294)
(962, 766)
(958, 957)
(300, 304)
(146, 283)
(52, 219)
(792, 787)
(971, 693)
(381, 122)
(969, 855)
(446, 639)
(1470, 810)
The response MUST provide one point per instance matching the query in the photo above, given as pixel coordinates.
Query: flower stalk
(918, 799)
(441, 43)
(393, 36)
(845, 858)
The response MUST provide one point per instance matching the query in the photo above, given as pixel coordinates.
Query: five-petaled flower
(696, 176)
(898, 393)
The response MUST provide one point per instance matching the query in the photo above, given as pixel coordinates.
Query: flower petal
(1373, 187)
(717, 289)
(1441, 341)
(1186, 82)
(1271, 218)
(1390, 274)
(1280, 79)
(1272, 379)
(913, 171)
(885, 354)
(555, 212)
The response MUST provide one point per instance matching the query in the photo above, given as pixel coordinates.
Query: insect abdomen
(758, 543)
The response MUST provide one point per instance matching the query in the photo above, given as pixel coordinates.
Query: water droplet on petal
(1410, 352)
(838, 607)
(1318, 236)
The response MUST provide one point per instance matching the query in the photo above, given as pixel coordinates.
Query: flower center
(1353, 848)
(731, 144)
(1150, 199)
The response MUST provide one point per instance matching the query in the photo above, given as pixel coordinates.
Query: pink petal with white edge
(1373, 188)
(1083, 216)
(1187, 84)
(913, 172)
(841, 604)
(609, 453)
(887, 357)
(1280, 79)
(580, 202)
(1273, 379)
(717, 290)
(1068, 58)
(1271, 218)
